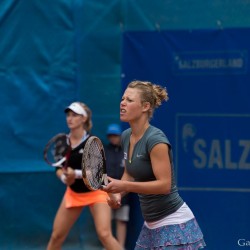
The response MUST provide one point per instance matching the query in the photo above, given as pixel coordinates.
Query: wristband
(78, 173)
(63, 178)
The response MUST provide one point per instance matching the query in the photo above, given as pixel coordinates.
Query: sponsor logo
(214, 149)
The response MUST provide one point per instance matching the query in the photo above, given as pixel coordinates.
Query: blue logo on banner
(210, 62)
(213, 151)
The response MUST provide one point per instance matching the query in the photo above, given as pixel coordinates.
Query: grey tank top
(154, 207)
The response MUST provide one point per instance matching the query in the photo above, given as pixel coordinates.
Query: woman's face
(74, 120)
(131, 107)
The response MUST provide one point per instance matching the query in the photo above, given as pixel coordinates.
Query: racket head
(56, 150)
(94, 164)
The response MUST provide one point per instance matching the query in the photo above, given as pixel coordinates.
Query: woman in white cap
(77, 195)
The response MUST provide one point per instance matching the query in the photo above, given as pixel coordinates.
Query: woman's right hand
(69, 176)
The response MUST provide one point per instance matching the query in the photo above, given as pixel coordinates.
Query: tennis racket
(57, 151)
(94, 164)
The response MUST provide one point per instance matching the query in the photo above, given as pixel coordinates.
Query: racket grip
(105, 179)
(106, 182)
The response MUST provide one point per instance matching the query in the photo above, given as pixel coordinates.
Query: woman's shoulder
(155, 135)
(126, 132)
(152, 130)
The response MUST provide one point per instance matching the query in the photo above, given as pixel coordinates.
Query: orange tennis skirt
(73, 199)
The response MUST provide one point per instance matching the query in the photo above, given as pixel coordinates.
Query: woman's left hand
(70, 176)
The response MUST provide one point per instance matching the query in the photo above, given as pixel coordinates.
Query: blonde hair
(152, 93)
(88, 123)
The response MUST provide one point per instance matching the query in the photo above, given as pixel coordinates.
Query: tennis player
(169, 222)
(77, 195)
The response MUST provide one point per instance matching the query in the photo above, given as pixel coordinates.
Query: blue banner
(207, 75)
(206, 119)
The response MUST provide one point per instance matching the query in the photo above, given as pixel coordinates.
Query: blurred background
(55, 52)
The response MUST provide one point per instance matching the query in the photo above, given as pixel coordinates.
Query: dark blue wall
(206, 119)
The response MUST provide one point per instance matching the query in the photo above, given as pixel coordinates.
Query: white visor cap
(76, 108)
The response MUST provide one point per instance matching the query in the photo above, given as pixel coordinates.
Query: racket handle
(106, 182)
(59, 163)
(105, 179)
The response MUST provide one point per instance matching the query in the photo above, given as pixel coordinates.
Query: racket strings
(94, 165)
(60, 149)
(56, 149)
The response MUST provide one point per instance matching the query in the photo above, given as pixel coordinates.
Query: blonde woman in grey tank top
(169, 222)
